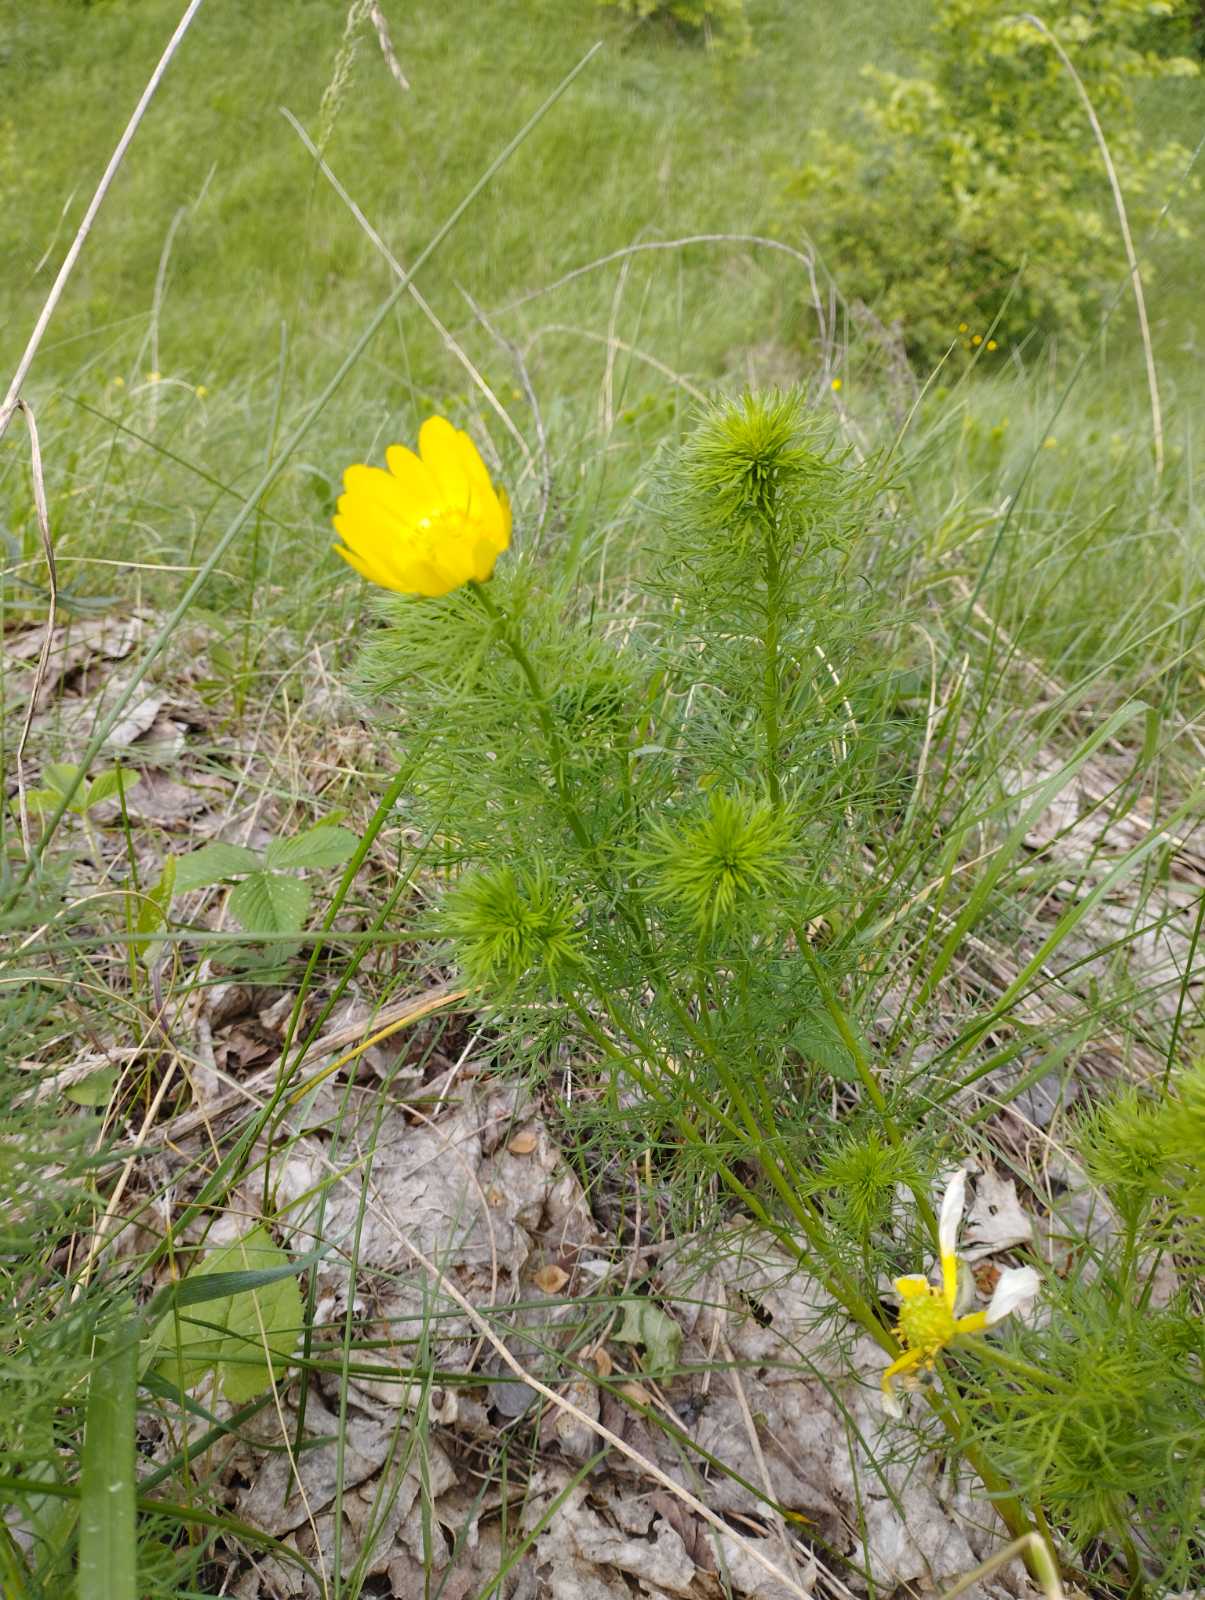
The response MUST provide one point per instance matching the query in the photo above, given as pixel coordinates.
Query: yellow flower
(200, 391)
(976, 338)
(432, 523)
(992, 345)
(962, 327)
(836, 386)
(929, 1319)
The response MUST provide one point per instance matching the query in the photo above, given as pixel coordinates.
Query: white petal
(953, 1203)
(891, 1402)
(1016, 1287)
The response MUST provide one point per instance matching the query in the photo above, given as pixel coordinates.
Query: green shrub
(723, 23)
(979, 181)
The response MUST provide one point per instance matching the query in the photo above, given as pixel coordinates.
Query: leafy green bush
(979, 181)
(723, 23)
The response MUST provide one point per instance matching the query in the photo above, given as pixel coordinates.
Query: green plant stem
(837, 1280)
(749, 1127)
(771, 690)
(1133, 1566)
(863, 1068)
(12, 1568)
(558, 757)
(832, 1271)
(951, 1410)
(1023, 1369)
(510, 638)
(132, 861)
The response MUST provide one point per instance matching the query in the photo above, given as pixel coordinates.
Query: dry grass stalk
(39, 500)
(9, 405)
(377, 17)
(1127, 237)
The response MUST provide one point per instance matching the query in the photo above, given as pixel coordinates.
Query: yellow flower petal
(442, 455)
(474, 466)
(485, 554)
(414, 479)
(430, 578)
(353, 560)
(368, 552)
(370, 492)
(905, 1363)
(430, 524)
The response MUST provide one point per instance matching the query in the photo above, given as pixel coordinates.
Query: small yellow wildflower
(200, 391)
(836, 386)
(154, 377)
(430, 524)
(928, 1319)
(1050, 442)
(962, 327)
(119, 382)
(992, 345)
(976, 338)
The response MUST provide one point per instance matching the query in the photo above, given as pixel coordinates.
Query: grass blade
(108, 1559)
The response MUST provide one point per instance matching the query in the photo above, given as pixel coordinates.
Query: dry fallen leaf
(995, 1220)
(551, 1279)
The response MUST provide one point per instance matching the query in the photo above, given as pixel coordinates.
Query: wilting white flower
(929, 1319)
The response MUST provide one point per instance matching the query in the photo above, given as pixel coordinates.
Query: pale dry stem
(52, 581)
(1127, 237)
(77, 244)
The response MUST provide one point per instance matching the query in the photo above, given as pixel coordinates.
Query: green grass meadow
(386, 898)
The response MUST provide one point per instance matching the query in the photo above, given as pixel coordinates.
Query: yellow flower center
(926, 1322)
(449, 523)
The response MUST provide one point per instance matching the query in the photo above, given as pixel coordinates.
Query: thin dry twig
(415, 293)
(608, 385)
(1144, 326)
(537, 415)
(630, 349)
(52, 581)
(389, 1020)
(733, 1373)
(77, 244)
(658, 244)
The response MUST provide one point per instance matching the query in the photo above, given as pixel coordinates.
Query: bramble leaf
(323, 846)
(268, 902)
(212, 863)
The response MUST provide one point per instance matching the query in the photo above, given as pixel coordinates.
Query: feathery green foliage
(1107, 1428)
(737, 852)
